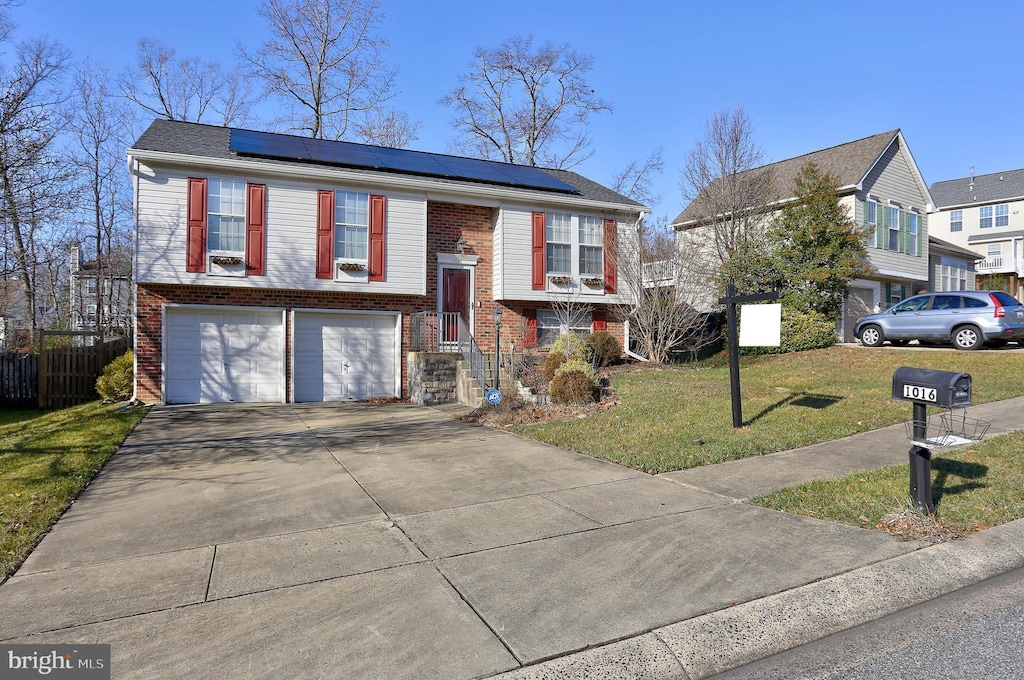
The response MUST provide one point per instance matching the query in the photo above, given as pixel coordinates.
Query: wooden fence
(57, 377)
(19, 380)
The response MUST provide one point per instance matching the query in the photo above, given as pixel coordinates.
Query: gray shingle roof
(994, 236)
(849, 162)
(211, 141)
(939, 244)
(997, 186)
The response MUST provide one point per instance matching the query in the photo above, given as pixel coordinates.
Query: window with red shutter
(610, 277)
(538, 255)
(195, 248)
(598, 321)
(530, 333)
(378, 237)
(256, 229)
(325, 235)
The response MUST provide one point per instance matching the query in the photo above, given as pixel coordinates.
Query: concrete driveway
(366, 541)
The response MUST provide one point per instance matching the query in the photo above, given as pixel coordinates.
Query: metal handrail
(448, 332)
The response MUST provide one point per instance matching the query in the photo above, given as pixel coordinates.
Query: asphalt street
(976, 632)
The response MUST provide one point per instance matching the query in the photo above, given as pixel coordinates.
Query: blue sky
(811, 74)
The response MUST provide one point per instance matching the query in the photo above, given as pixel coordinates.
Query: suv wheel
(871, 336)
(967, 337)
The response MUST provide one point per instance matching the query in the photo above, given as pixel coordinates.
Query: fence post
(42, 368)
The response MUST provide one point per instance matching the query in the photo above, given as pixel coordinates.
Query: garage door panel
(344, 356)
(218, 356)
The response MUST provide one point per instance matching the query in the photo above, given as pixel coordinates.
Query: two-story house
(100, 295)
(985, 213)
(277, 268)
(884, 193)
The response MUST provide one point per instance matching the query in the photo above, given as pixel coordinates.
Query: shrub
(118, 378)
(572, 387)
(605, 347)
(572, 346)
(551, 364)
(801, 330)
(578, 366)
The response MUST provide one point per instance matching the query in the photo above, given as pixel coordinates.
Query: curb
(714, 643)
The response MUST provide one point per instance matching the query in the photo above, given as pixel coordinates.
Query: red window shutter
(530, 335)
(378, 237)
(609, 256)
(599, 322)
(539, 242)
(325, 234)
(195, 248)
(256, 229)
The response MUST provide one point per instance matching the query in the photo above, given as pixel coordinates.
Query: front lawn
(672, 418)
(972, 487)
(46, 459)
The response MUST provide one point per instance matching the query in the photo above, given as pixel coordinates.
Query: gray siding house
(884, 192)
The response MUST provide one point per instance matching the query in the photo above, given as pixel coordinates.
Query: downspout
(625, 331)
(134, 174)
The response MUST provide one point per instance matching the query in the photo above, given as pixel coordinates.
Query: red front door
(454, 298)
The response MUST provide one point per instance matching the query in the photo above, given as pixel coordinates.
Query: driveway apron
(389, 541)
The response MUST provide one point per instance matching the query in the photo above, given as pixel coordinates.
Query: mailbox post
(926, 387)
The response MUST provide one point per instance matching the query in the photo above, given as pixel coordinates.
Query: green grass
(972, 488)
(673, 418)
(46, 459)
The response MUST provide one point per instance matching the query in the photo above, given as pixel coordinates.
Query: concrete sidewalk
(356, 541)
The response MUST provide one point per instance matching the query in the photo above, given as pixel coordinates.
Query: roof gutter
(958, 206)
(405, 182)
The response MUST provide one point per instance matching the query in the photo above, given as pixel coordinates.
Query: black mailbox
(946, 389)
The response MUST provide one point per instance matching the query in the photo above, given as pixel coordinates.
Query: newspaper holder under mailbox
(945, 389)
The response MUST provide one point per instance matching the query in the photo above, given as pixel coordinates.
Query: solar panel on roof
(269, 144)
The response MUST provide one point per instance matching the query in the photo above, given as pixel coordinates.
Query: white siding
(291, 237)
(513, 251)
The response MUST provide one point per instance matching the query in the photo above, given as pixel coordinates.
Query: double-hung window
(954, 273)
(871, 222)
(225, 231)
(591, 247)
(894, 228)
(558, 229)
(552, 323)
(985, 217)
(1002, 215)
(351, 225)
(956, 220)
(90, 286)
(911, 233)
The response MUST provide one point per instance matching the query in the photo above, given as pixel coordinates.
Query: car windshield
(912, 305)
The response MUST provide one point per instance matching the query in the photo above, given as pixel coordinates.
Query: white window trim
(982, 217)
(221, 252)
(958, 222)
(573, 279)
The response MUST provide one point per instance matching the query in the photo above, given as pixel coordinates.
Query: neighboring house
(278, 268)
(950, 267)
(885, 194)
(984, 214)
(100, 292)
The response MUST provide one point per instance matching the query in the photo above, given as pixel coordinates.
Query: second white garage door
(345, 356)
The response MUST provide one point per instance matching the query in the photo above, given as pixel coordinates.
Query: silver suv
(968, 319)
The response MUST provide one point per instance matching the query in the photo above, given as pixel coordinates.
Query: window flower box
(351, 267)
(593, 282)
(560, 280)
(226, 261)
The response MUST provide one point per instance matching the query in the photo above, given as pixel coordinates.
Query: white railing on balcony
(659, 273)
(998, 264)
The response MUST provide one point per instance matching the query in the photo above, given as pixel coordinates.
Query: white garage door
(344, 356)
(217, 356)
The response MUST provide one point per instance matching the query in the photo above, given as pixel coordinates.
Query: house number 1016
(920, 393)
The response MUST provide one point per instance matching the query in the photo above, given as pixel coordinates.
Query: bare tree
(187, 89)
(636, 179)
(32, 178)
(389, 128)
(100, 127)
(325, 61)
(523, 105)
(666, 292)
(727, 188)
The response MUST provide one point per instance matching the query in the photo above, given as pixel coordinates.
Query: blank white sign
(760, 325)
